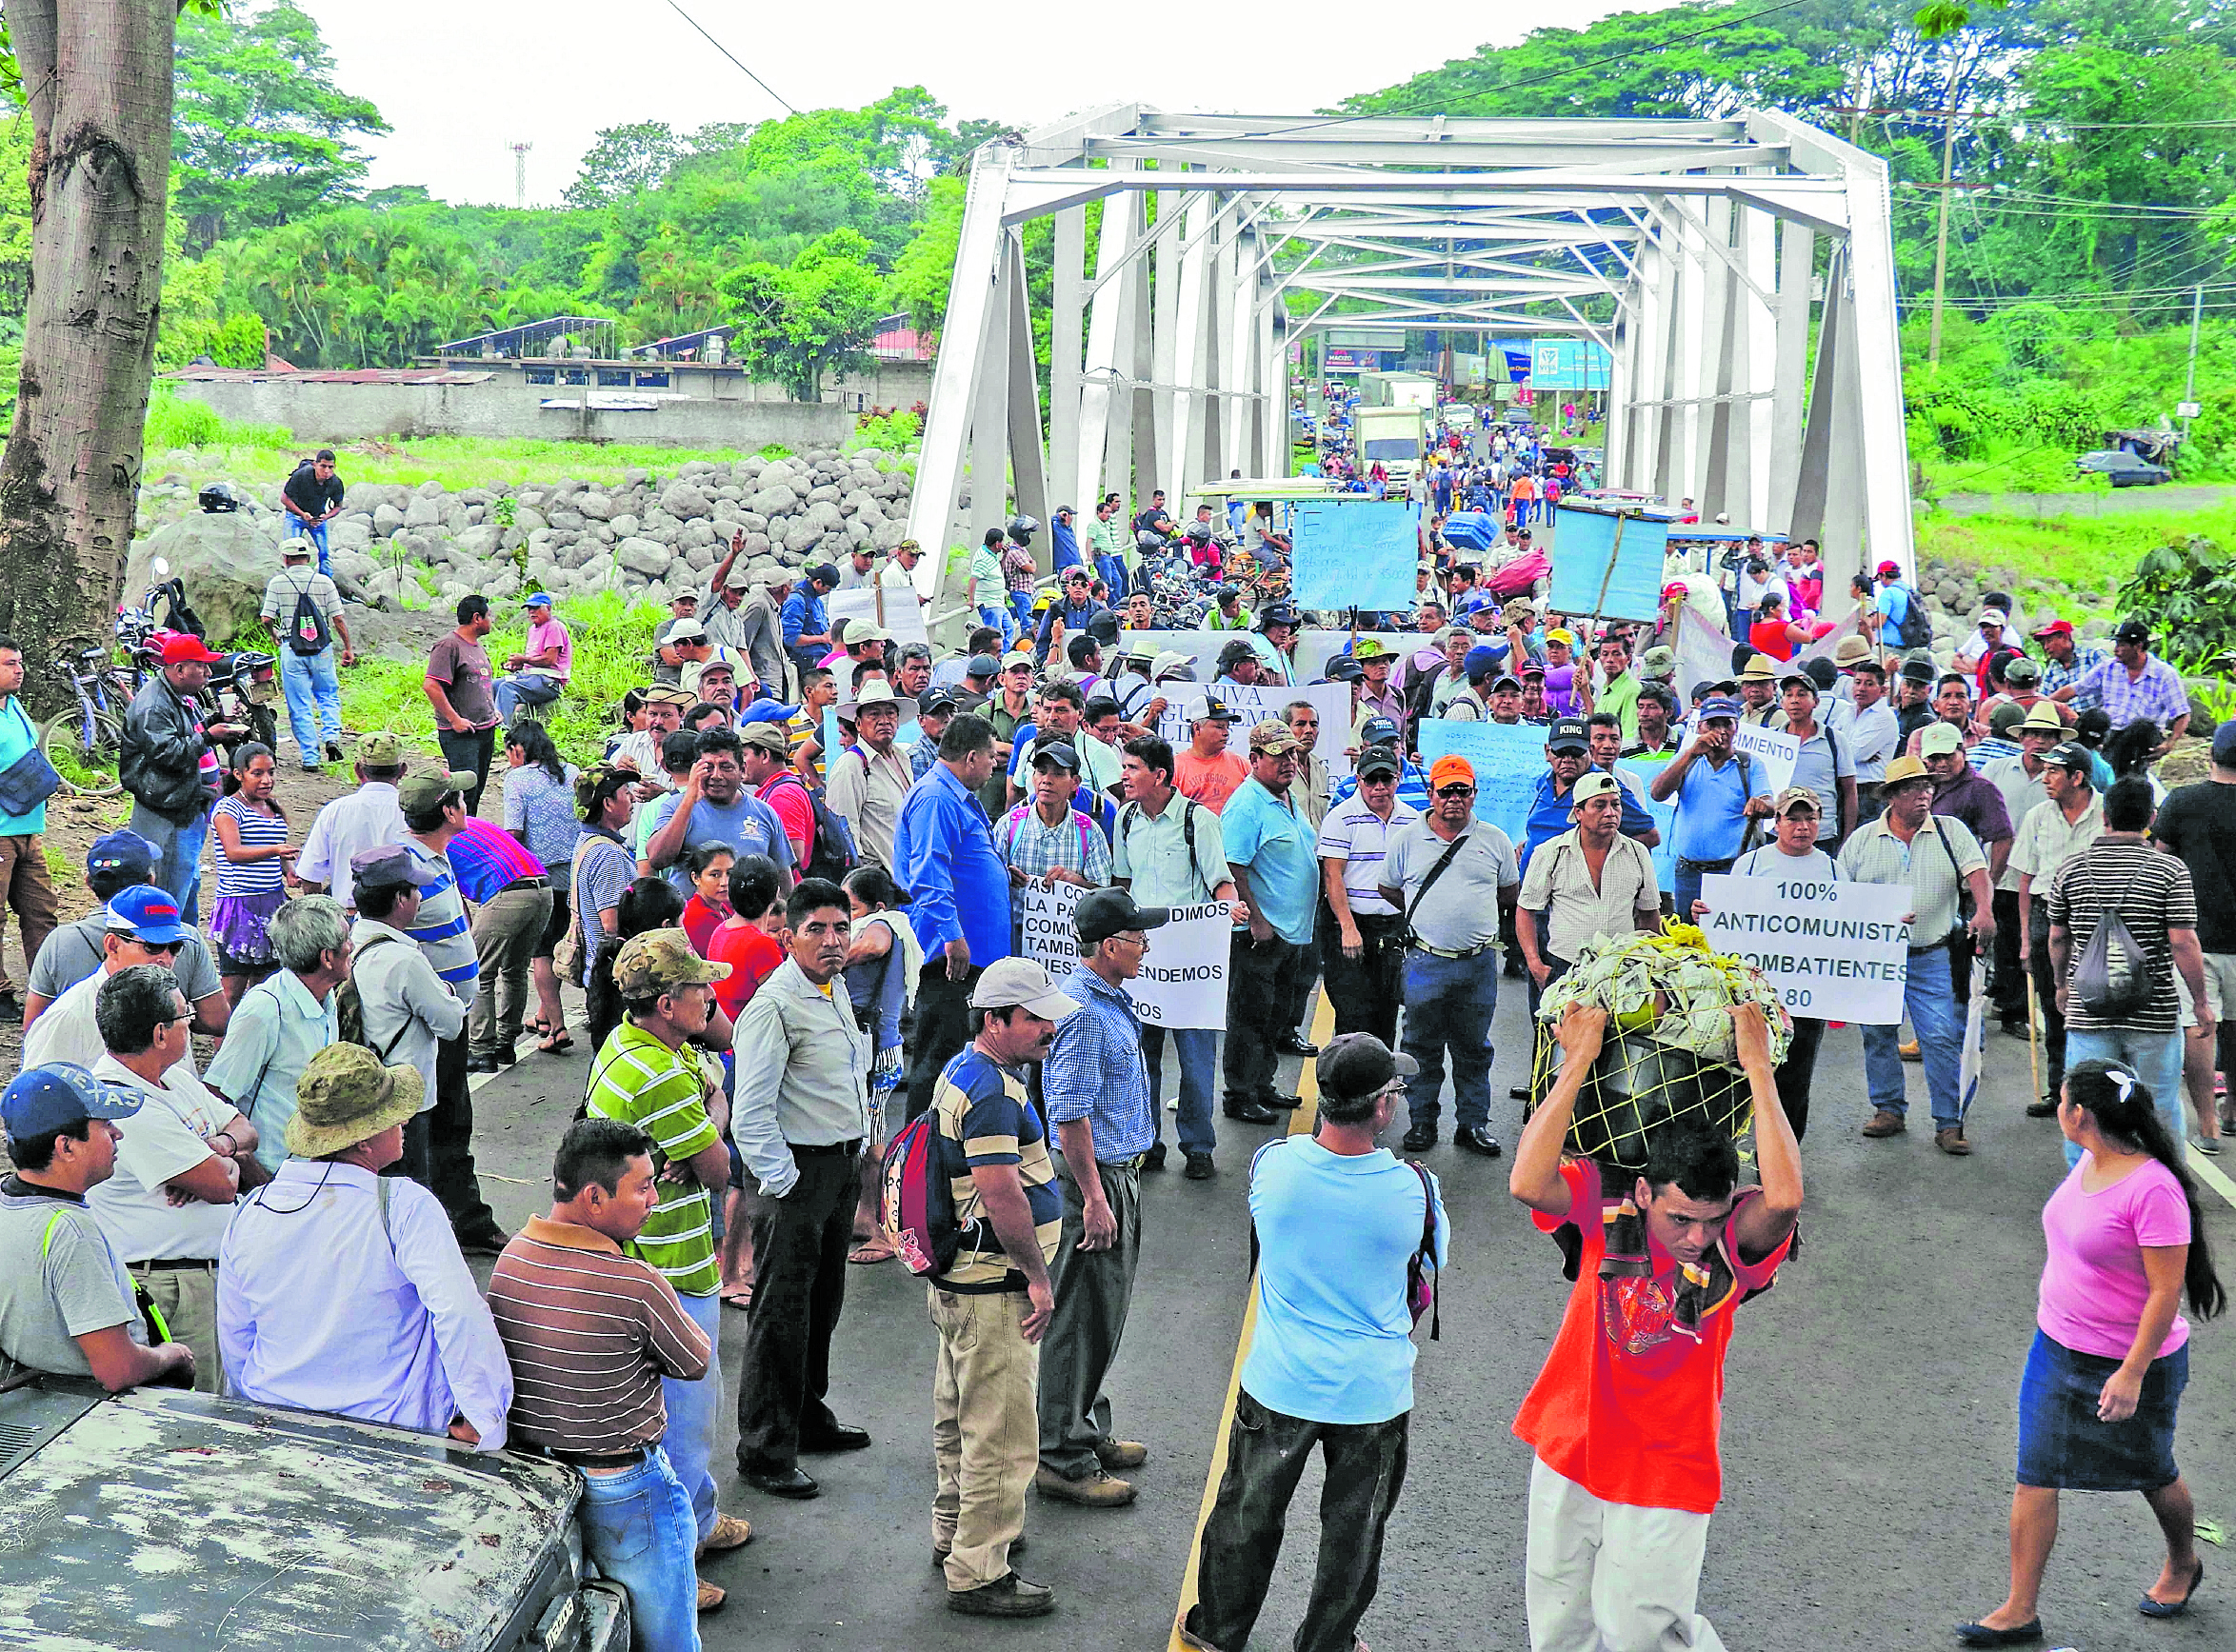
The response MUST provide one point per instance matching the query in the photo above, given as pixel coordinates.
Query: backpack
(1016, 822)
(1130, 812)
(830, 854)
(2112, 978)
(1916, 629)
(1420, 1267)
(350, 1006)
(917, 1205)
(306, 627)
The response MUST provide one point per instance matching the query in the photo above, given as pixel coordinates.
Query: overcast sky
(461, 80)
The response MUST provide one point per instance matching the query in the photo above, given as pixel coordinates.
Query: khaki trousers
(985, 1431)
(25, 885)
(186, 1299)
(506, 930)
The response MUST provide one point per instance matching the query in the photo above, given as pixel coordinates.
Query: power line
(732, 56)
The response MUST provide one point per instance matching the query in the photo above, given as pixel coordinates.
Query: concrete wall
(318, 410)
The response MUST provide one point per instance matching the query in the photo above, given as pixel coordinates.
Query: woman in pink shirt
(2111, 1349)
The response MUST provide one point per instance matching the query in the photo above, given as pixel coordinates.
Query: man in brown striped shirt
(591, 1331)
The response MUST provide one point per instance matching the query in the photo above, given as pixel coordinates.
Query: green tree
(260, 133)
(816, 317)
(625, 161)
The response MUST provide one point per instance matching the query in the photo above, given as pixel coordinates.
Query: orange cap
(1449, 768)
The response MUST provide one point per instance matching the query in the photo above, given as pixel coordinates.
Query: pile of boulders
(427, 547)
(1953, 595)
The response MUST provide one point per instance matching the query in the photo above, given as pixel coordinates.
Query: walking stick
(2033, 1036)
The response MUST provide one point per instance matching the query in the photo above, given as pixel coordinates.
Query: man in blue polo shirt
(1567, 754)
(1272, 851)
(1718, 791)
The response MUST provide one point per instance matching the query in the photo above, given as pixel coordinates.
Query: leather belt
(825, 1149)
(628, 1459)
(1445, 952)
(1132, 1163)
(526, 884)
(179, 1264)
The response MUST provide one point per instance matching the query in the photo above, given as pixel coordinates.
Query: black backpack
(306, 627)
(832, 853)
(350, 1006)
(1916, 630)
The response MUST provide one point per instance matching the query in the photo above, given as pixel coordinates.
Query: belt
(628, 1459)
(178, 1263)
(1447, 953)
(827, 1149)
(526, 884)
(1132, 1163)
(1724, 865)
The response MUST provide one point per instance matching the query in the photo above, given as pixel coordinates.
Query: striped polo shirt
(589, 1331)
(638, 1079)
(486, 859)
(443, 932)
(987, 1118)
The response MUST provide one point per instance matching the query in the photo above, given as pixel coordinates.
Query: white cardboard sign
(1182, 981)
(1834, 950)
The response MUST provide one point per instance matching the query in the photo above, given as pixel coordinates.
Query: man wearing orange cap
(1449, 875)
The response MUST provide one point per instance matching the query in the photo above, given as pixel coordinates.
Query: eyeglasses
(1455, 791)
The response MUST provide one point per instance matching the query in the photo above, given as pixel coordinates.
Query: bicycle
(87, 746)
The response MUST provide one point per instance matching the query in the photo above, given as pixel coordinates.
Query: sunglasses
(1455, 791)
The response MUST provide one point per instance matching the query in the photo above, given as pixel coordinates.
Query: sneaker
(1200, 1168)
(1909, 1051)
(1008, 1596)
(1099, 1489)
(1154, 1157)
(731, 1532)
(2209, 1146)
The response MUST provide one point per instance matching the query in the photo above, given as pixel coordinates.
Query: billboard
(1569, 363)
(1337, 358)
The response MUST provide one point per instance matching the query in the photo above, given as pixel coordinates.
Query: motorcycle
(243, 685)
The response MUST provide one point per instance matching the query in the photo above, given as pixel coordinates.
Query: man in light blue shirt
(284, 1019)
(1718, 791)
(1272, 851)
(1338, 1220)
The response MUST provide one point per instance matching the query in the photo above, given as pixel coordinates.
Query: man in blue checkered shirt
(2132, 686)
(1095, 1088)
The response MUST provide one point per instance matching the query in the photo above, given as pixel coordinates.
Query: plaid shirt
(1094, 1070)
(2087, 657)
(1036, 849)
(2157, 694)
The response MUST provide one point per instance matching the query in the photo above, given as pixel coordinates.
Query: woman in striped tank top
(254, 863)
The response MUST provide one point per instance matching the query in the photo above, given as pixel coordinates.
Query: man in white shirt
(664, 704)
(184, 1159)
(408, 1010)
(144, 927)
(1873, 733)
(362, 820)
(869, 780)
(343, 1290)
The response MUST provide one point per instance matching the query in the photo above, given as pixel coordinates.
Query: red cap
(1888, 568)
(1678, 587)
(185, 649)
(2055, 628)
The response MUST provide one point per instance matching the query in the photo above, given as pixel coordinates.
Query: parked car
(158, 1519)
(2125, 469)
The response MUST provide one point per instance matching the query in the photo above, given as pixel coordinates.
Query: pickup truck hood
(160, 1519)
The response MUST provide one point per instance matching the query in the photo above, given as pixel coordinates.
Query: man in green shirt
(645, 1076)
(1618, 690)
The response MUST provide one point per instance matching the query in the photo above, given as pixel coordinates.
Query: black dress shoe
(1281, 1103)
(334, 752)
(791, 1482)
(1154, 1157)
(2045, 1109)
(1479, 1140)
(1520, 1093)
(481, 1064)
(1981, 1635)
(1419, 1139)
(1250, 1113)
(840, 1437)
(490, 1241)
(1290, 1044)
(1200, 1168)
(10, 1006)
(507, 1055)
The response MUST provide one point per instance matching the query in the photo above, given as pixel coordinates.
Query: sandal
(740, 1297)
(872, 1250)
(557, 1045)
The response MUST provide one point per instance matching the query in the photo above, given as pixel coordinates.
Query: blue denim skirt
(2061, 1444)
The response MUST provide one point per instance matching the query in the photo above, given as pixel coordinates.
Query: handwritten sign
(1356, 553)
(1183, 980)
(904, 615)
(1772, 750)
(1252, 706)
(1834, 950)
(1507, 759)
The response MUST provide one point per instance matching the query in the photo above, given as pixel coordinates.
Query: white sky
(461, 80)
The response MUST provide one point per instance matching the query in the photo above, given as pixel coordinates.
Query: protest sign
(1356, 553)
(1252, 706)
(1643, 770)
(1835, 951)
(902, 614)
(1773, 750)
(1507, 759)
(1590, 540)
(1183, 980)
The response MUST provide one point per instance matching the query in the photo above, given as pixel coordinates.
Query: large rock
(775, 500)
(387, 518)
(477, 543)
(822, 516)
(226, 560)
(644, 556)
(683, 500)
(595, 505)
(624, 526)
(423, 512)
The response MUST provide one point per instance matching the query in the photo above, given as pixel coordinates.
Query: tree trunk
(98, 74)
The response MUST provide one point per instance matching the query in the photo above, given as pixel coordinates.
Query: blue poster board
(1643, 770)
(1357, 555)
(1586, 542)
(1507, 758)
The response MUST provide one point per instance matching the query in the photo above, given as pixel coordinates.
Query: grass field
(2083, 555)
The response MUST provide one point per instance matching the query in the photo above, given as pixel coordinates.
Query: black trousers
(475, 751)
(450, 1144)
(1307, 976)
(800, 1244)
(2010, 981)
(1261, 982)
(2053, 1020)
(1365, 990)
(943, 1026)
(1797, 1069)
(1265, 1456)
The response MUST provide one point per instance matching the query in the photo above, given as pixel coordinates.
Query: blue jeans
(178, 848)
(1194, 1048)
(2153, 1057)
(691, 1416)
(534, 687)
(1021, 608)
(314, 699)
(1001, 619)
(1927, 999)
(1448, 1005)
(1113, 572)
(1686, 882)
(636, 1528)
(315, 532)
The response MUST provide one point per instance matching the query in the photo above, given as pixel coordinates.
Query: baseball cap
(291, 548)
(1940, 740)
(685, 595)
(686, 630)
(536, 600)
(1760, 668)
(1887, 569)
(1482, 661)
(1279, 614)
(1013, 981)
(1378, 731)
(767, 712)
(1506, 680)
(2055, 628)
(659, 961)
(1018, 657)
(1568, 734)
(2021, 671)
(346, 1096)
(1561, 634)
(380, 749)
(1796, 797)
(1272, 738)
(1450, 771)
(1343, 668)
(1102, 913)
(740, 578)
(184, 650)
(826, 573)
(937, 703)
(2224, 745)
(2130, 631)
(1597, 783)
(1208, 708)
(422, 791)
(1060, 753)
(387, 865)
(1532, 668)
(39, 1100)
(1382, 759)
(147, 913)
(1797, 678)
(857, 635)
(1991, 617)
(1717, 705)
(764, 734)
(1357, 1064)
(2005, 718)
(114, 851)
(2073, 755)
(982, 666)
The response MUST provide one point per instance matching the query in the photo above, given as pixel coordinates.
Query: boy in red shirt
(1624, 1415)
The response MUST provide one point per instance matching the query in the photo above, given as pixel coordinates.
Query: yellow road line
(1300, 1123)
(2211, 1174)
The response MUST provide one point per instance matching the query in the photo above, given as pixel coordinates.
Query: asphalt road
(1867, 1439)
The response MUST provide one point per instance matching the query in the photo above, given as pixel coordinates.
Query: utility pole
(1941, 248)
(520, 173)
(2188, 408)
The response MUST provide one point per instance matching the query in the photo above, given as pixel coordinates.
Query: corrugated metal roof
(340, 375)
